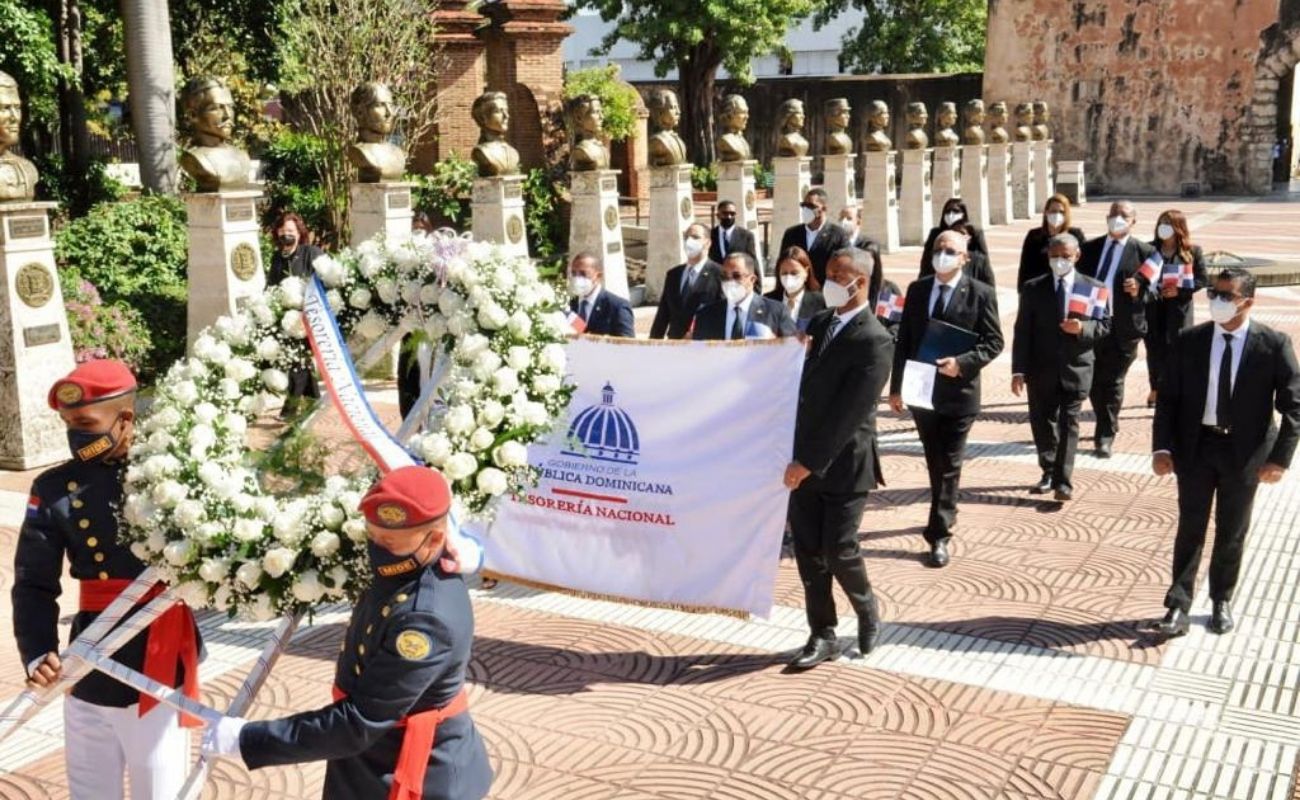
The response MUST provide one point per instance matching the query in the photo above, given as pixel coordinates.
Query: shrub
(547, 236)
(618, 100)
(704, 179)
(76, 194)
(444, 194)
(101, 330)
(292, 166)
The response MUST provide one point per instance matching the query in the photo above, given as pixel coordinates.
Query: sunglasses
(948, 251)
(1218, 294)
(734, 276)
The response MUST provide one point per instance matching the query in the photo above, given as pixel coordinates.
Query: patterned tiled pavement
(1014, 673)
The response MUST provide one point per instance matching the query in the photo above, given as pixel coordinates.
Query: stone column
(946, 182)
(839, 182)
(975, 183)
(1024, 194)
(916, 216)
(1070, 182)
(383, 207)
(497, 211)
(595, 226)
(35, 348)
(1043, 179)
(736, 183)
(880, 200)
(225, 257)
(1000, 184)
(671, 210)
(793, 179)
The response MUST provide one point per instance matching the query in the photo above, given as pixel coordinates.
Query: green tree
(696, 37)
(617, 99)
(899, 36)
(27, 52)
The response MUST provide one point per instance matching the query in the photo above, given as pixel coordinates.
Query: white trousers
(101, 743)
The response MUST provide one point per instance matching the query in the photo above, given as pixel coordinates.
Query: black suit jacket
(1267, 379)
(973, 306)
(1033, 254)
(874, 297)
(742, 241)
(835, 428)
(830, 237)
(1170, 315)
(976, 245)
(977, 268)
(1041, 351)
(711, 320)
(610, 316)
(809, 304)
(673, 319)
(1130, 313)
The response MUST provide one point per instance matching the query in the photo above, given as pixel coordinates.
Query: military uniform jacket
(405, 651)
(72, 511)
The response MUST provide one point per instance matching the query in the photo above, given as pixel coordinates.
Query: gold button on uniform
(401, 598)
(361, 649)
(356, 668)
(72, 486)
(103, 576)
(83, 524)
(99, 557)
(91, 541)
(383, 612)
(77, 504)
(369, 628)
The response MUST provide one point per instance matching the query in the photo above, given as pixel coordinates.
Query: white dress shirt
(692, 271)
(845, 316)
(792, 301)
(810, 234)
(953, 281)
(1211, 415)
(731, 316)
(590, 300)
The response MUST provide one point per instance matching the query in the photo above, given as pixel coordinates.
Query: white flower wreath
(195, 507)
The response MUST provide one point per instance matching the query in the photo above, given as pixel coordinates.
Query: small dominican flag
(1151, 268)
(33, 506)
(1180, 275)
(889, 306)
(1088, 302)
(576, 322)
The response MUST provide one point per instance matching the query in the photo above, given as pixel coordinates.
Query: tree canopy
(901, 36)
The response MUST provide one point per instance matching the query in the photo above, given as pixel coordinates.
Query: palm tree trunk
(150, 84)
(695, 78)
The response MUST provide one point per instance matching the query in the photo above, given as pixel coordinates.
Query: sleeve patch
(413, 645)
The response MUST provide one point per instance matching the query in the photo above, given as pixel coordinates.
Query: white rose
(249, 530)
(435, 328)
(235, 423)
(458, 325)
(479, 297)
(535, 414)
(201, 438)
(166, 417)
(510, 455)
(266, 508)
(335, 300)
(268, 349)
(203, 346)
(492, 481)
(177, 553)
(370, 265)
(491, 414)
(546, 384)
(371, 326)
(206, 533)
(359, 299)
(291, 289)
(278, 560)
(330, 271)
(487, 361)
(211, 473)
(466, 390)
(435, 448)
(229, 389)
(460, 465)
(449, 302)
(429, 294)
(520, 324)
(262, 609)
(243, 502)
(411, 292)
(307, 587)
(155, 541)
(459, 419)
(355, 529)
(275, 380)
(405, 258)
(332, 516)
(239, 369)
(339, 578)
(185, 392)
(193, 593)
(292, 324)
(168, 493)
(140, 551)
(492, 317)
(386, 288)
(221, 599)
(261, 311)
(219, 355)
(526, 295)
(504, 277)
(553, 358)
(288, 528)
(481, 439)
(249, 573)
(519, 357)
(325, 544)
(214, 570)
(505, 380)
(189, 513)
(335, 484)
(229, 486)
(206, 413)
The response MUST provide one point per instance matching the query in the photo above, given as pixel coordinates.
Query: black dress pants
(1215, 475)
(944, 439)
(825, 531)
(1114, 357)
(1054, 421)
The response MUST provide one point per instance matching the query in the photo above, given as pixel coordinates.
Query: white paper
(918, 384)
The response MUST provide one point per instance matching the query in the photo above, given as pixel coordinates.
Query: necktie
(830, 334)
(1222, 417)
(583, 309)
(687, 280)
(724, 235)
(1103, 269)
(941, 303)
(736, 332)
(1061, 307)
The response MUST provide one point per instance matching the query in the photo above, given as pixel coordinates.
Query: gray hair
(745, 258)
(1064, 240)
(956, 236)
(596, 260)
(863, 262)
(704, 229)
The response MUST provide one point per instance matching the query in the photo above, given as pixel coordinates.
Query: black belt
(1216, 430)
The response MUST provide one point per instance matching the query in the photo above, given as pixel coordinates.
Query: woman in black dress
(1171, 311)
(954, 213)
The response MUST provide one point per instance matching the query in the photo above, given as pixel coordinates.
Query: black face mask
(387, 564)
(285, 240)
(89, 446)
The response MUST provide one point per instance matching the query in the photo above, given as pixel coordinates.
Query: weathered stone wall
(1153, 94)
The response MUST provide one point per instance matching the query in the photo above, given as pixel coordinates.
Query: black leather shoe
(868, 630)
(1064, 494)
(938, 553)
(815, 652)
(1104, 448)
(1221, 621)
(1174, 624)
(1043, 486)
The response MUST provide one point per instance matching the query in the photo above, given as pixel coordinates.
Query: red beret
(407, 497)
(91, 382)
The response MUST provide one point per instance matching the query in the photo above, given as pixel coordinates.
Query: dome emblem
(604, 432)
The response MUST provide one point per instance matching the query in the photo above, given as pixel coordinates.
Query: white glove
(222, 739)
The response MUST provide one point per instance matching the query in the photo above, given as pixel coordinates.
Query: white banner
(664, 482)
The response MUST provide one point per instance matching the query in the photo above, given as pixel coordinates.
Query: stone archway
(1278, 56)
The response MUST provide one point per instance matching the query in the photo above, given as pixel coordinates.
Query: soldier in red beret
(109, 728)
(399, 727)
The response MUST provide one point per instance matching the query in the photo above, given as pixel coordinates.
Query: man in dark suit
(1114, 260)
(742, 313)
(835, 460)
(727, 237)
(1214, 429)
(817, 235)
(687, 286)
(952, 297)
(1052, 356)
(603, 313)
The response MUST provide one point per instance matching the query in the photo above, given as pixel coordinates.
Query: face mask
(580, 286)
(386, 564)
(1165, 231)
(1061, 266)
(792, 282)
(945, 264)
(1117, 224)
(953, 217)
(88, 446)
(850, 227)
(837, 294)
(693, 246)
(734, 291)
(285, 240)
(1056, 219)
(807, 215)
(1222, 311)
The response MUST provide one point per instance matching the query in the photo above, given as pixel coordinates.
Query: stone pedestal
(225, 257)
(1043, 179)
(671, 210)
(880, 201)
(383, 207)
(736, 183)
(793, 179)
(840, 182)
(497, 212)
(1070, 182)
(35, 349)
(1024, 192)
(975, 183)
(1000, 184)
(946, 183)
(916, 215)
(594, 224)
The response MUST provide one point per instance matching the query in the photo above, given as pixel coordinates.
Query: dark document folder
(943, 340)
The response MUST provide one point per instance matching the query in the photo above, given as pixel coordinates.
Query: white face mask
(953, 217)
(734, 291)
(837, 294)
(1117, 224)
(1165, 231)
(1056, 219)
(580, 285)
(807, 215)
(1061, 266)
(850, 227)
(793, 282)
(1222, 311)
(945, 264)
(693, 246)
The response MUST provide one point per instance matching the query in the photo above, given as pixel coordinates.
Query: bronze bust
(837, 114)
(1041, 116)
(586, 122)
(213, 163)
(998, 123)
(877, 126)
(375, 158)
(917, 118)
(974, 131)
(667, 149)
(945, 136)
(790, 142)
(731, 145)
(17, 174)
(493, 154)
(1024, 122)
